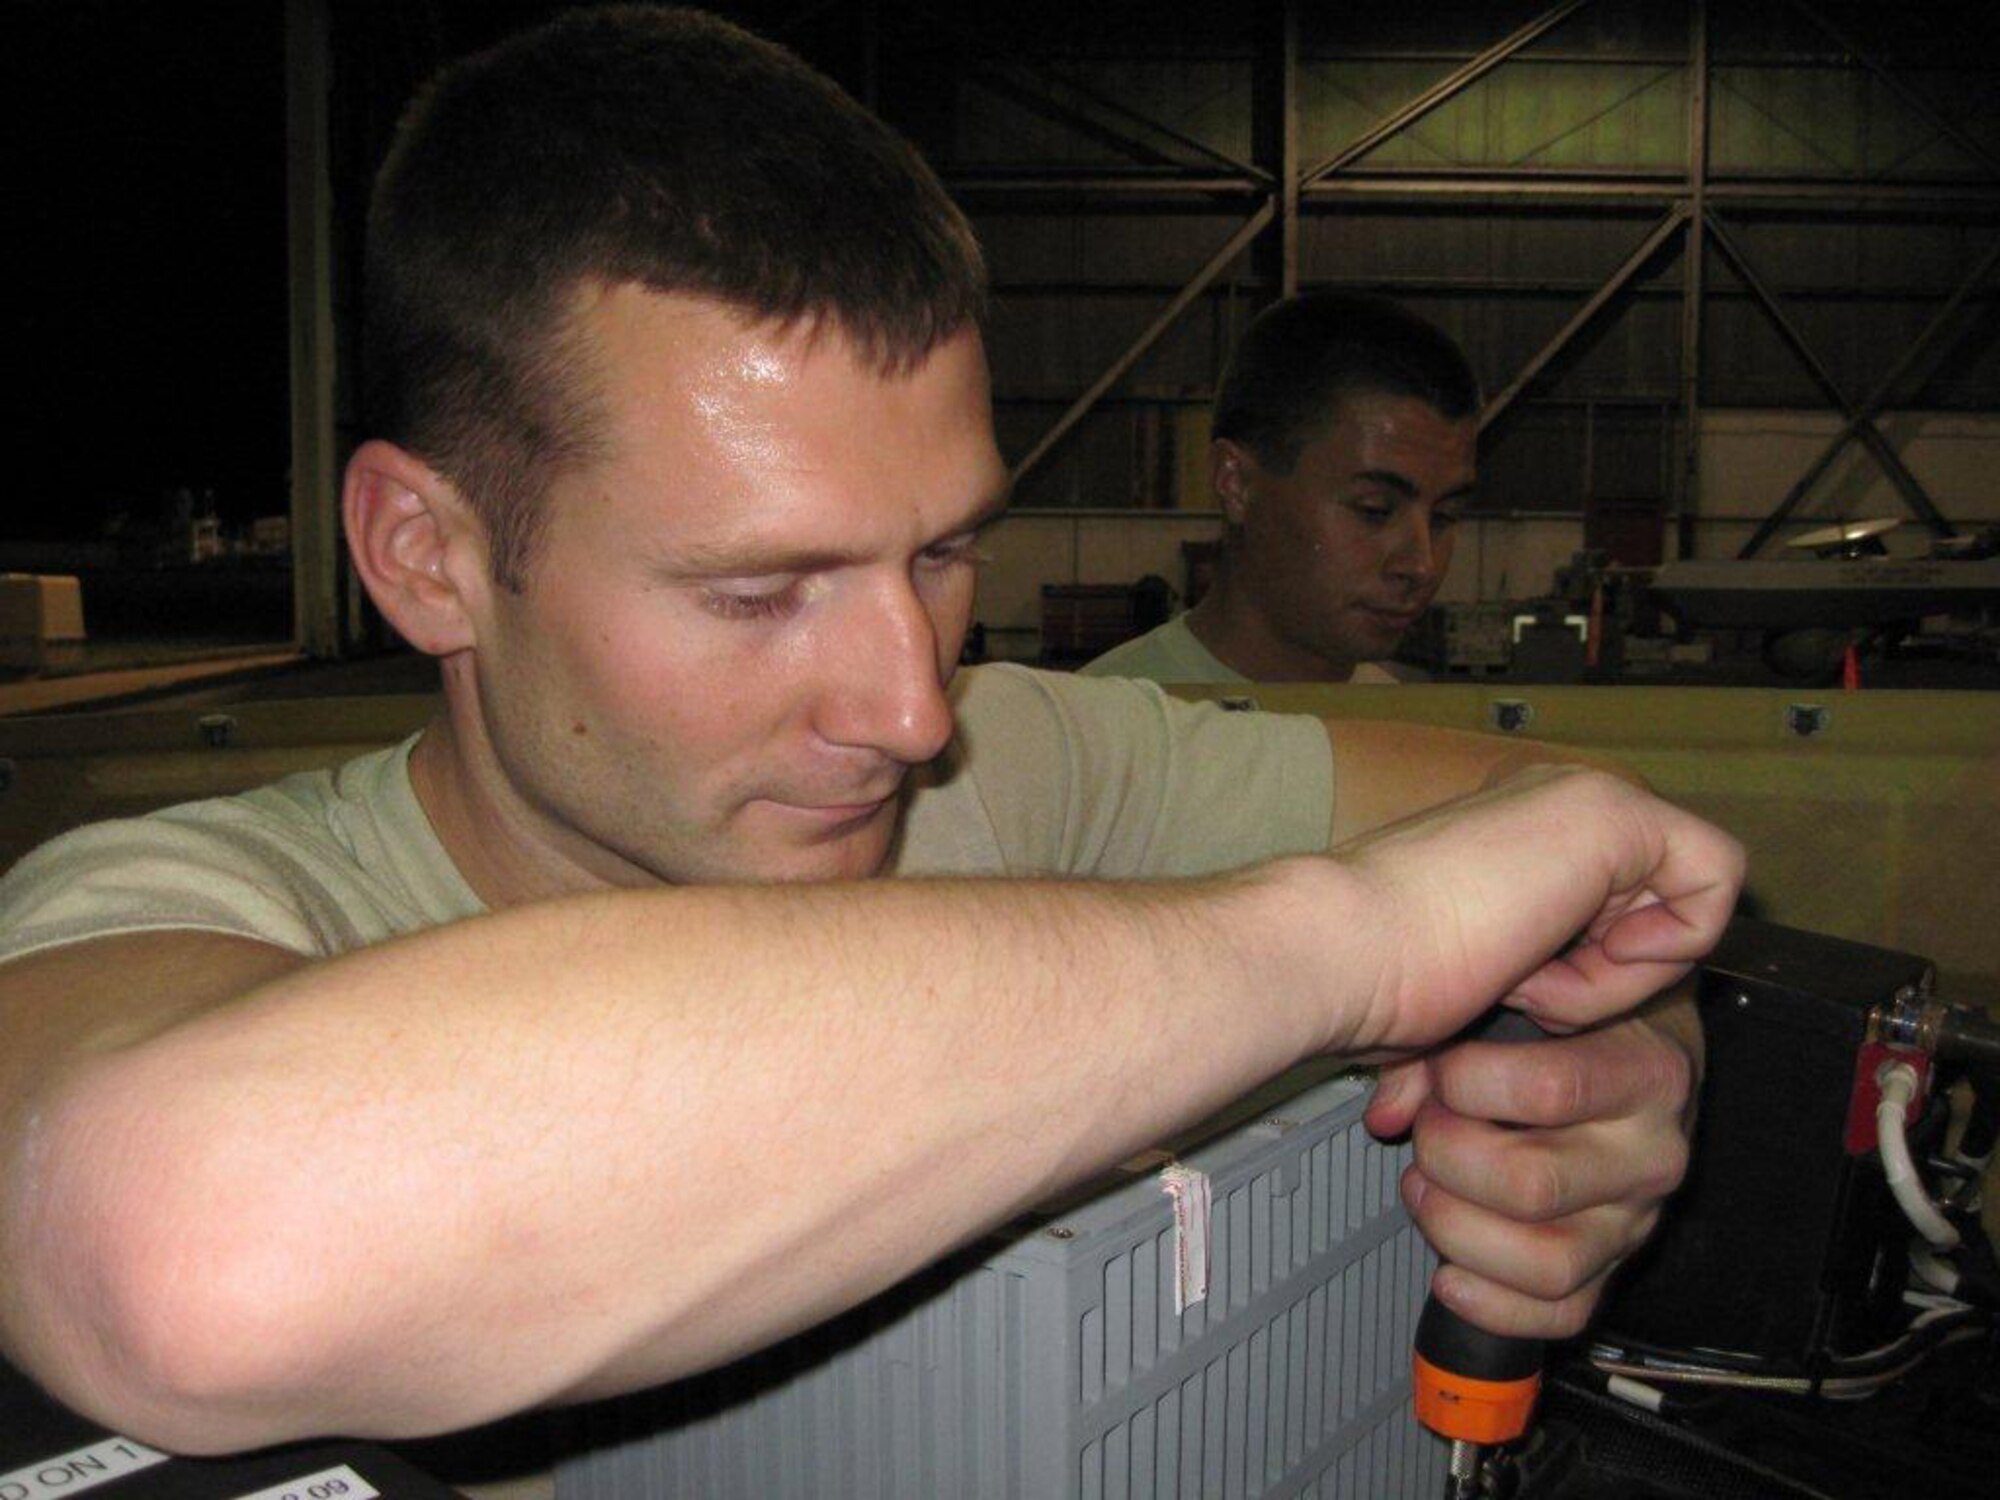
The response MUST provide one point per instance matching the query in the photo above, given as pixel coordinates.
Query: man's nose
(1414, 553)
(888, 691)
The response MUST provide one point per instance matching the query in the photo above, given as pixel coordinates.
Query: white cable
(1932, 1272)
(1935, 1302)
(1899, 1086)
(1834, 1388)
(1645, 1397)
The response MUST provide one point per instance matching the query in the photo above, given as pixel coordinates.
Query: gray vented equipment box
(1048, 1363)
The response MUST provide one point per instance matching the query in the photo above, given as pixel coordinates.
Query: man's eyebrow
(748, 557)
(1389, 479)
(992, 509)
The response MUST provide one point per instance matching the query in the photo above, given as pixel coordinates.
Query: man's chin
(860, 853)
(1376, 635)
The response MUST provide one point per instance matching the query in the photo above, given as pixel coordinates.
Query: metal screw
(1511, 715)
(1060, 1233)
(1742, 1002)
(1807, 719)
(217, 729)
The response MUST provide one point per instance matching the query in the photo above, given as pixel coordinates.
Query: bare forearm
(612, 1140)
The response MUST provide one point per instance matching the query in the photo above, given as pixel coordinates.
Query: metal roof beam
(1097, 100)
(1648, 247)
(1443, 91)
(1874, 404)
(1429, 185)
(1913, 493)
(1217, 264)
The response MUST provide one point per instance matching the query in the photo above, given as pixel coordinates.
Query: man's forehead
(1387, 421)
(754, 426)
(631, 317)
(638, 334)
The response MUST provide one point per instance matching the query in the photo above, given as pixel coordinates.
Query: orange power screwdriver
(1474, 1388)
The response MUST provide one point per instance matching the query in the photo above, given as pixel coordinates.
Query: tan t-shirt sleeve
(1052, 774)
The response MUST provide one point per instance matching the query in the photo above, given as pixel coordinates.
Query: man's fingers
(1545, 1261)
(1502, 1310)
(1607, 1073)
(1400, 1091)
(1586, 985)
(1676, 931)
(1674, 881)
(1544, 1176)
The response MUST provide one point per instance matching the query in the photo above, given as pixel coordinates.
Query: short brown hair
(1301, 355)
(629, 144)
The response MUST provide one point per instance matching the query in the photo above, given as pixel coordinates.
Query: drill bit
(1462, 1477)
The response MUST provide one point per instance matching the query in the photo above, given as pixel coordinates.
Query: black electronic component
(1784, 1247)
(47, 1451)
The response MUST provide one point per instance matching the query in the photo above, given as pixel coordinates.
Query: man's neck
(502, 849)
(1242, 639)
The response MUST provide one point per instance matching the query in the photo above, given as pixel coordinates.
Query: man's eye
(746, 604)
(1444, 520)
(959, 552)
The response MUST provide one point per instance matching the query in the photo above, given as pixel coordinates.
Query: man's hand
(1574, 896)
(1563, 892)
(1541, 1166)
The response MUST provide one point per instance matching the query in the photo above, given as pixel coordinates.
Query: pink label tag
(1190, 1194)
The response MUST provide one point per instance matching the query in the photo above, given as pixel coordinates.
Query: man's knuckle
(1572, 1267)
(1670, 1168)
(1671, 1076)
(1572, 1314)
(1540, 1185)
(1557, 1094)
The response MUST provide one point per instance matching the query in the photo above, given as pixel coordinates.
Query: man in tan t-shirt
(1344, 452)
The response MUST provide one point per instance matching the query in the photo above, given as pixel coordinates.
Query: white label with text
(84, 1469)
(337, 1483)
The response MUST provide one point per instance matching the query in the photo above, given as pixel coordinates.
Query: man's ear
(416, 545)
(1229, 467)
